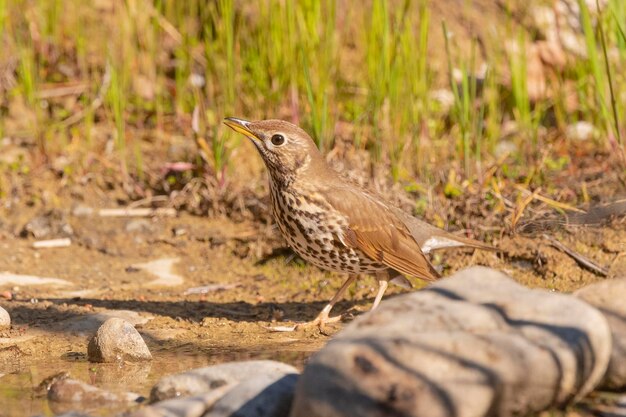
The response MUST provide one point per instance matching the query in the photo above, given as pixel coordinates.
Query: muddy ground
(251, 284)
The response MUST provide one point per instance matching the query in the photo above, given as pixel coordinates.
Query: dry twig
(580, 259)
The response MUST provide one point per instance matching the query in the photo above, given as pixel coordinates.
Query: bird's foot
(320, 321)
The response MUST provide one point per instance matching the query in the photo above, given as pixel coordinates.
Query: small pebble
(179, 231)
(5, 319)
(138, 226)
(82, 211)
(581, 131)
(68, 390)
(116, 341)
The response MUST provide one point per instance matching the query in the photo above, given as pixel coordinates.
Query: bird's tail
(448, 240)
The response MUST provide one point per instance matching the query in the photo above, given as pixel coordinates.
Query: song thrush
(335, 224)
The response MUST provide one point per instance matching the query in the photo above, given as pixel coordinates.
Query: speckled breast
(315, 230)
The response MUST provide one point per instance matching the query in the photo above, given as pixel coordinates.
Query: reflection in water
(18, 383)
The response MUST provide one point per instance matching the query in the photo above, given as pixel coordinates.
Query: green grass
(314, 62)
(607, 66)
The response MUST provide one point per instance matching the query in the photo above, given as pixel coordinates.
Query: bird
(337, 225)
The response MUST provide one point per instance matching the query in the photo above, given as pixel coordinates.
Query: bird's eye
(278, 140)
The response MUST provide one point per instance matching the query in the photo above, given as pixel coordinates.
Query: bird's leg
(323, 316)
(383, 282)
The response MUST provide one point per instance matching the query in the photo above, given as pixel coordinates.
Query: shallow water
(20, 396)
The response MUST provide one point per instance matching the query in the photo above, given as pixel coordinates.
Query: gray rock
(261, 396)
(115, 341)
(39, 227)
(5, 319)
(194, 406)
(50, 224)
(581, 131)
(139, 226)
(610, 298)
(475, 344)
(82, 210)
(203, 380)
(68, 390)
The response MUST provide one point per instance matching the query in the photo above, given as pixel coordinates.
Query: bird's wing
(375, 230)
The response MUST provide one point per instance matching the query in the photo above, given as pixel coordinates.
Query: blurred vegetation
(74, 72)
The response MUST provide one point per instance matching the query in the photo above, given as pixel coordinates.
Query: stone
(116, 341)
(82, 210)
(202, 380)
(474, 344)
(51, 224)
(194, 406)
(609, 297)
(139, 226)
(581, 131)
(5, 319)
(260, 396)
(68, 390)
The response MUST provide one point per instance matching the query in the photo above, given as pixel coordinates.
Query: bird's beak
(241, 126)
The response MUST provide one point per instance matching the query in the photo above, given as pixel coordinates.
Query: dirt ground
(251, 283)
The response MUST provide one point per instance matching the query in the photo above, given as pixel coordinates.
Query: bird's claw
(319, 322)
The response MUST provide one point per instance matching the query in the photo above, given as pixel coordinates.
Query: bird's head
(286, 149)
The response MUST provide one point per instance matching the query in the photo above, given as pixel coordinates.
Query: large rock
(475, 344)
(5, 319)
(610, 298)
(117, 341)
(203, 380)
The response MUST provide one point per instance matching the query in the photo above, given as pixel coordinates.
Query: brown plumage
(376, 230)
(335, 224)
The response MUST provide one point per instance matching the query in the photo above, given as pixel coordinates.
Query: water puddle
(20, 396)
